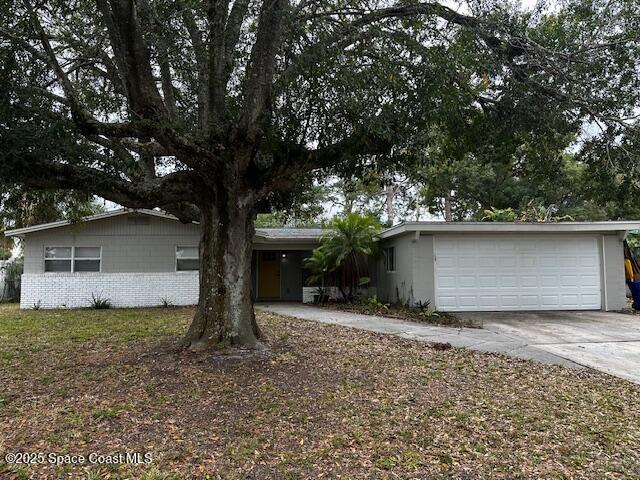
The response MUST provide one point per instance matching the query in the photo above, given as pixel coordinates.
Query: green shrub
(12, 275)
(98, 302)
(342, 257)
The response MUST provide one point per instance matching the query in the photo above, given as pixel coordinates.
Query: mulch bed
(322, 402)
(402, 312)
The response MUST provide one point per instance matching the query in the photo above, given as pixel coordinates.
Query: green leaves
(344, 253)
(499, 215)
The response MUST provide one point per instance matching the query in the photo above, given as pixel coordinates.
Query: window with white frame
(187, 259)
(72, 259)
(390, 259)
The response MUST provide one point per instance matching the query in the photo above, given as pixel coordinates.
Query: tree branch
(261, 68)
(292, 160)
(173, 188)
(346, 33)
(163, 57)
(217, 16)
(232, 33)
(202, 63)
(144, 98)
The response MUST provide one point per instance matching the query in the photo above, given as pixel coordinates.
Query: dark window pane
(86, 266)
(57, 265)
(188, 264)
(390, 255)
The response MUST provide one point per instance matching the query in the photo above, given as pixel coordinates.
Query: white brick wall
(73, 290)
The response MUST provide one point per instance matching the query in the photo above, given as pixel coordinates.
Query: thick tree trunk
(225, 311)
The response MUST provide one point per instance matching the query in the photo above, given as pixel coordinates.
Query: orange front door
(268, 274)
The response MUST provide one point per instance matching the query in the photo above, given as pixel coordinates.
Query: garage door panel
(547, 260)
(447, 301)
(517, 272)
(466, 261)
(589, 281)
(588, 262)
(468, 300)
(447, 261)
(509, 261)
(485, 261)
(549, 301)
(508, 281)
(549, 280)
(485, 301)
(527, 261)
(568, 280)
(570, 300)
(467, 281)
(487, 281)
(447, 281)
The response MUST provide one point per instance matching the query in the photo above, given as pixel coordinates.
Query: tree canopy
(216, 110)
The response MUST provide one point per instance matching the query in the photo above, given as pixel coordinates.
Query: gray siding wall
(614, 290)
(125, 247)
(398, 285)
(423, 274)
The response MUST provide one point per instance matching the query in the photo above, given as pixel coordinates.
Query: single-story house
(147, 257)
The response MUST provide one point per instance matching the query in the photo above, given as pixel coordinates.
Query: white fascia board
(495, 227)
(285, 240)
(18, 232)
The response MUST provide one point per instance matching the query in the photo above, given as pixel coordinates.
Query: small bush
(166, 302)
(12, 275)
(420, 305)
(374, 306)
(98, 302)
(425, 310)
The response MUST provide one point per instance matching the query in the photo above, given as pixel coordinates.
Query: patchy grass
(323, 401)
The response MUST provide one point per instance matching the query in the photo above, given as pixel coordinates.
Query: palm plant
(347, 245)
(318, 264)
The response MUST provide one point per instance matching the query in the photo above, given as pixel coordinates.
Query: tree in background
(307, 209)
(510, 147)
(21, 207)
(532, 213)
(216, 111)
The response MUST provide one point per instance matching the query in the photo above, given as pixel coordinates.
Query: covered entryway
(517, 272)
(279, 274)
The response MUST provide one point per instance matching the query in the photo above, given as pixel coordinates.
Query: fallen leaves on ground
(322, 402)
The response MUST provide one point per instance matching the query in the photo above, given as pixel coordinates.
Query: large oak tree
(214, 110)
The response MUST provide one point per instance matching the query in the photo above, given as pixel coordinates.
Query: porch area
(279, 275)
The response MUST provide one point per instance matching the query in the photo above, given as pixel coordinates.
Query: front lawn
(324, 401)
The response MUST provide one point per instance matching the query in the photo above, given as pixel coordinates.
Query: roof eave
(20, 232)
(262, 239)
(495, 227)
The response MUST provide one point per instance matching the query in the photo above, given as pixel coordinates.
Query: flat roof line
(488, 227)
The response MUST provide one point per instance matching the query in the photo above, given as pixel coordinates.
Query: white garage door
(516, 272)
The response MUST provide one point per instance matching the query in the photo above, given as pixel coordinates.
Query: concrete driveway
(606, 341)
(609, 342)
